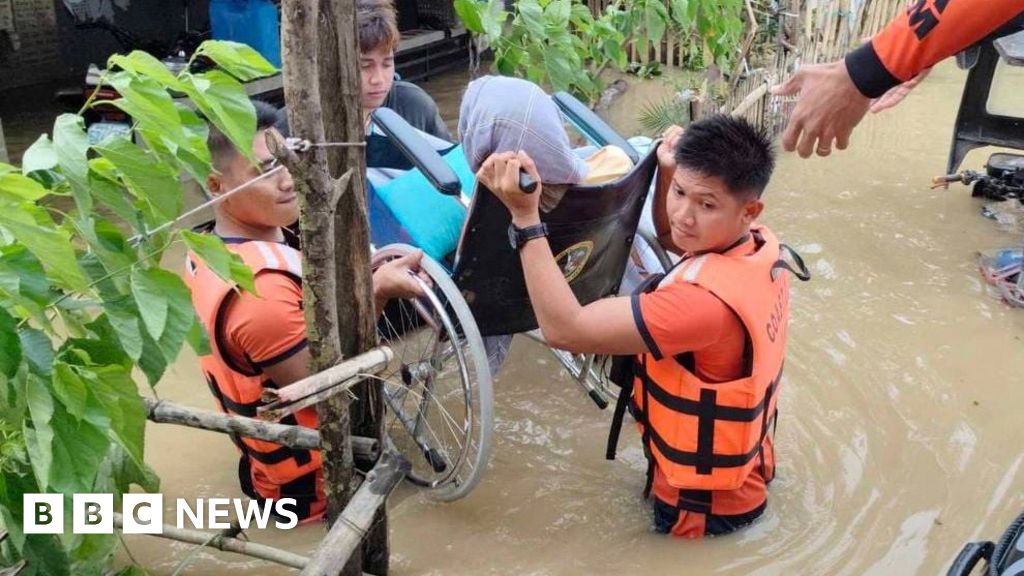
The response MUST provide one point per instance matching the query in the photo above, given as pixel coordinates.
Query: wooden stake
(322, 385)
(298, 437)
(357, 520)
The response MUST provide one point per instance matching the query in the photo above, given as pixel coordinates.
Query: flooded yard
(899, 436)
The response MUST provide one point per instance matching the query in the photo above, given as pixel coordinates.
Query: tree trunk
(322, 86)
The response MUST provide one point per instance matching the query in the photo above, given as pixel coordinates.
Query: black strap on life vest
(276, 456)
(623, 373)
(801, 271)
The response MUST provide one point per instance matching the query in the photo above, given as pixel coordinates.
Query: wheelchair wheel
(437, 389)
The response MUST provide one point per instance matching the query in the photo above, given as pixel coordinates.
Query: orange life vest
(707, 435)
(268, 469)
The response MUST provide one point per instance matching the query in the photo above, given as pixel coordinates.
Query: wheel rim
(437, 397)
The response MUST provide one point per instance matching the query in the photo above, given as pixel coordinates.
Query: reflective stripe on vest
(706, 435)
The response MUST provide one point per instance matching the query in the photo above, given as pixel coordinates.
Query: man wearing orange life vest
(260, 341)
(708, 339)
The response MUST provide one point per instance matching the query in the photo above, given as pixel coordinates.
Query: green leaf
(22, 272)
(105, 347)
(656, 21)
(152, 361)
(681, 12)
(470, 12)
(180, 316)
(41, 155)
(109, 194)
(532, 17)
(51, 246)
(100, 352)
(148, 103)
(189, 151)
(38, 350)
(39, 436)
(107, 243)
(223, 100)
(115, 393)
(10, 345)
(71, 145)
(224, 263)
(69, 389)
(43, 553)
(145, 64)
(557, 14)
(198, 338)
(149, 289)
(18, 188)
(238, 60)
(156, 185)
(78, 448)
(123, 318)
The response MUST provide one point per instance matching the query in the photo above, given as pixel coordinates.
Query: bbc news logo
(144, 513)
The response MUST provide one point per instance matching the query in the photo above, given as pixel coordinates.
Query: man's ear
(214, 183)
(752, 210)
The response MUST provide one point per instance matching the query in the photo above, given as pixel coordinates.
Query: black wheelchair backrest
(417, 150)
(590, 231)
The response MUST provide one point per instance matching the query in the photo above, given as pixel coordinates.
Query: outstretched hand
(500, 174)
(397, 278)
(828, 108)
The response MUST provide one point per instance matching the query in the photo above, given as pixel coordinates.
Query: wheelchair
(438, 388)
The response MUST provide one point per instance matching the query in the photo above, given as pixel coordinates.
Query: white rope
(139, 237)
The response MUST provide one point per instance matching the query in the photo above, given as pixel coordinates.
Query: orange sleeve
(680, 317)
(926, 33)
(266, 329)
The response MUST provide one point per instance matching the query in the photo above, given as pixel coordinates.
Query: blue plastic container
(252, 22)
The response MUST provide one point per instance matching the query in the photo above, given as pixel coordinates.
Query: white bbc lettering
(279, 507)
(218, 508)
(253, 510)
(184, 509)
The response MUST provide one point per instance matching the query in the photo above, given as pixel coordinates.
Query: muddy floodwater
(900, 433)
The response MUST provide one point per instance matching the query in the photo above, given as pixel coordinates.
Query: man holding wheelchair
(703, 346)
(259, 341)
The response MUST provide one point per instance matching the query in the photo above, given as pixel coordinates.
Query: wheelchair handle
(527, 184)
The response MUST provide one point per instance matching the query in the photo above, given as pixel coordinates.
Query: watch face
(512, 240)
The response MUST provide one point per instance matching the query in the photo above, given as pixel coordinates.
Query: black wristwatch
(519, 236)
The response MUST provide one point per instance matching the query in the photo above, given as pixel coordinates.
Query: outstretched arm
(833, 98)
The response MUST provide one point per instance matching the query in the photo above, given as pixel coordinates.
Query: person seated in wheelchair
(501, 114)
(259, 341)
(702, 347)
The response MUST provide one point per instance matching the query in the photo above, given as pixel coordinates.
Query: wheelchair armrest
(591, 125)
(418, 151)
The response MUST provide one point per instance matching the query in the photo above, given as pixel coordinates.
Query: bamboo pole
(297, 437)
(356, 520)
(751, 99)
(14, 570)
(323, 384)
(226, 544)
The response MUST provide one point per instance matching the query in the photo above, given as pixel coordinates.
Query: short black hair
(731, 149)
(219, 144)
